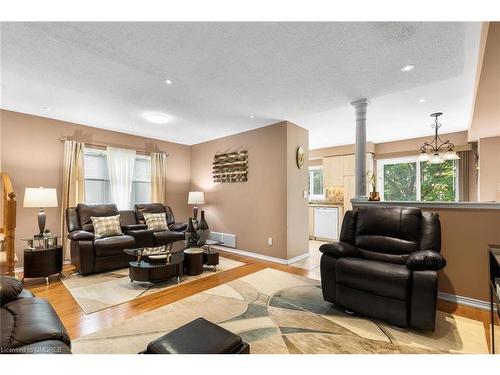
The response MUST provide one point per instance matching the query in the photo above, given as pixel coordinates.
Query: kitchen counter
(326, 204)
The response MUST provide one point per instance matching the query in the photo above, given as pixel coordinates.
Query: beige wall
(296, 184)
(465, 236)
(486, 116)
(257, 209)
(489, 169)
(33, 156)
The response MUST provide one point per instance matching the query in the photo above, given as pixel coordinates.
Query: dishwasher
(326, 222)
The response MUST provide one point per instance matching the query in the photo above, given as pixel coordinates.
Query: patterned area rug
(277, 312)
(103, 290)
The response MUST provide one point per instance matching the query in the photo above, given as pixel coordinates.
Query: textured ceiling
(108, 75)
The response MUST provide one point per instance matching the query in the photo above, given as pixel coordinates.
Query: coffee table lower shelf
(155, 272)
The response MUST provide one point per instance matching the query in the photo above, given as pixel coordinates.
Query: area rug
(278, 312)
(103, 290)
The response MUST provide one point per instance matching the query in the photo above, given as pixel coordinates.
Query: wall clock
(300, 157)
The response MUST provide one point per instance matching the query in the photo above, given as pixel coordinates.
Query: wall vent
(228, 240)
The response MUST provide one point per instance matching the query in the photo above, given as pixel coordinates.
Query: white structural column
(360, 149)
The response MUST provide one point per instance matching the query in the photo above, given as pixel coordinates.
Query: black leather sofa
(91, 255)
(385, 265)
(29, 325)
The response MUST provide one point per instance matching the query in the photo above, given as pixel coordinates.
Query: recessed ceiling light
(422, 100)
(251, 116)
(156, 118)
(408, 68)
(168, 81)
(48, 109)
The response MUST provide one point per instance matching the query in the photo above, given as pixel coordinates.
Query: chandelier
(437, 151)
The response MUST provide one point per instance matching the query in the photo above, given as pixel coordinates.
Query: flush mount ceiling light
(422, 100)
(168, 81)
(437, 151)
(408, 68)
(156, 118)
(251, 116)
(48, 109)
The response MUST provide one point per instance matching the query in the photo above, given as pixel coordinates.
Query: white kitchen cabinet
(333, 171)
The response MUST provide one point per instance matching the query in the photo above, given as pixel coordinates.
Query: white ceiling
(107, 75)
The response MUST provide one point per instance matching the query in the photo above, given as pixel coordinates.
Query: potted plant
(372, 180)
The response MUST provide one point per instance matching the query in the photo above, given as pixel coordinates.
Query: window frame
(316, 196)
(408, 159)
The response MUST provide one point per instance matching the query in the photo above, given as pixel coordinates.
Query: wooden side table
(40, 262)
(193, 261)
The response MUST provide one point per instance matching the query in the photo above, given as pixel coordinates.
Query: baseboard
(265, 257)
(460, 300)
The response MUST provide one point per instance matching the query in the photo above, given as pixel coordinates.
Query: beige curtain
(73, 191)
(158, 177)
(464, 175)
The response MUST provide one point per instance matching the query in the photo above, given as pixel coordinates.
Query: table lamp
(194, 198)
(41, 198)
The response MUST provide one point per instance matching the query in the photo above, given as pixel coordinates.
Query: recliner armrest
(10, 288)
(340, 250)
(134, 227)
(425, 260)
(178, 227)
(81, 235)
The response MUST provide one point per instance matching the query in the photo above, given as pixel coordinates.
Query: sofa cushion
(380, 278)
(31, 320)
(154, 208)
(186, 340)
(156, 222)
(86, 211)
(113, 245)
(393, 230)
(167, 237)
(106, 226)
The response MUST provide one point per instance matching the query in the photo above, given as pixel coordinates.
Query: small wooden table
(43, 262)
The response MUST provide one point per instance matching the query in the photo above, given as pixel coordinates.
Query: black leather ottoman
(198, 337)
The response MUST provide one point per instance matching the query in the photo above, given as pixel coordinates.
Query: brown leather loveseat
(91, 255)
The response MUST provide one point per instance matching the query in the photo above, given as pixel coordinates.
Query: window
(316, 189)
(97, 184)
(407, 179)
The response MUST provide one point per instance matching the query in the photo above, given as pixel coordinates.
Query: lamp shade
(40, 197)
(196, 197)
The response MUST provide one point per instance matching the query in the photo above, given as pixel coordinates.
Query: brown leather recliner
(385, 265)
(29, 325)
(90, 254)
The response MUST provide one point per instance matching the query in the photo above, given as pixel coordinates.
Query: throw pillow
(106, 226)
(156, 222)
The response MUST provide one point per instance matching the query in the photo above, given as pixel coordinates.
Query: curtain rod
(103, 147)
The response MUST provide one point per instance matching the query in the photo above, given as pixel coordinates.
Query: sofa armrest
(425, 260)
(81, 235)
(178, 227)
(143, 237)
(10, 288)
(134, 227)
(340, 250)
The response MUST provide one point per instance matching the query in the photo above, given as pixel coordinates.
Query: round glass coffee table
(155, 268)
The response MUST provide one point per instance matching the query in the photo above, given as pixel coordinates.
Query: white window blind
(97, 185)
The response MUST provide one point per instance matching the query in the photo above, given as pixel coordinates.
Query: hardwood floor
(79, 324)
